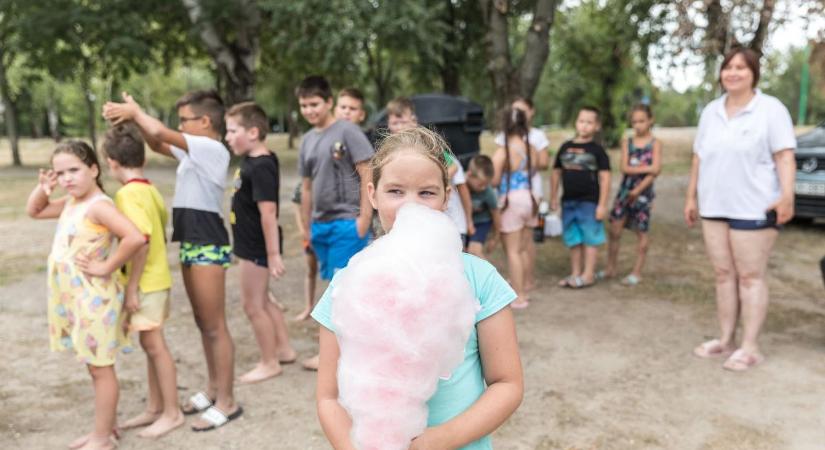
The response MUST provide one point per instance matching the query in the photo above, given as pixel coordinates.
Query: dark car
(810, 174)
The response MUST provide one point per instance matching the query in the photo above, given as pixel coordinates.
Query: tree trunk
(761, 33)
(10, 112)
(608, 129)
(537, 47)
(234, 57)
(508, 81)
(449, 70)
(498, 51)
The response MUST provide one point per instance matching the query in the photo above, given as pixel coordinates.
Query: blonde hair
(419, 140)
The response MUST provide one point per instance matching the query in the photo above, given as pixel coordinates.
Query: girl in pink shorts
(514, 165)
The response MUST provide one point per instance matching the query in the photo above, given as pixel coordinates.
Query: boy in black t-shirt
(257, 236)
(583, 168)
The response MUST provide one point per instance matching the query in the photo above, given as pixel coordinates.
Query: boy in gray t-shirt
(334, 167)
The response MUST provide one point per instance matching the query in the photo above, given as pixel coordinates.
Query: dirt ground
(606, 368)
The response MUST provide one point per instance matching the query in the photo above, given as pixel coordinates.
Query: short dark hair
(314, 85)
(592, 109)
(399, 105)
(250, 115)
(205, 103)
(483, 164)
(124, 144)
(353, 93)
(751, 60)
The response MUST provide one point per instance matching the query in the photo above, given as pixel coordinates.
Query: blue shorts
(749, 225)
(580, 224)
(334, 243)
(482, 230)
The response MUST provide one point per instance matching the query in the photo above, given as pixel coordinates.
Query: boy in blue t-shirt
(583, 168)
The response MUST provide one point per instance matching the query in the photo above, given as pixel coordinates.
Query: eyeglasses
(182, 120)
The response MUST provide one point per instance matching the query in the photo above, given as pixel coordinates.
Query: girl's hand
(276, 266)
(632, 196)
(132, 303)
(784, 208)
(47, 180)
(428, 440)
(92, 267)
(554, 204)
(691, 212)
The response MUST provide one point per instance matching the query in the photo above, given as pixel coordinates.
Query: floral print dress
(637, 212)
(83, 311)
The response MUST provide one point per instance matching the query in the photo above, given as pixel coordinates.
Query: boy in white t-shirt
(539, 141)
(401, 116)
(197, 222)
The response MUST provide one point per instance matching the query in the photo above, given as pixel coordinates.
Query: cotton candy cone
(403, 311)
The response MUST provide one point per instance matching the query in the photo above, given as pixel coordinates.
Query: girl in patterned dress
(641, 163)
(85, 300)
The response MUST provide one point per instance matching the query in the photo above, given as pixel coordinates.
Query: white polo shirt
(737, 174)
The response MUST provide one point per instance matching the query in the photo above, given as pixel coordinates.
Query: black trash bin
(459, 120)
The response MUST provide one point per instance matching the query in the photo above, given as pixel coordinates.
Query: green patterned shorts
(205, 254)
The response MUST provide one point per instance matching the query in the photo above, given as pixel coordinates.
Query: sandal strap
(200, 401)
(214, 416)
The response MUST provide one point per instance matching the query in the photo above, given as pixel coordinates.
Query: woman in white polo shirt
(741, 185)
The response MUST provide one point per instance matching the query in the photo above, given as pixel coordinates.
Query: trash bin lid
(434, 109)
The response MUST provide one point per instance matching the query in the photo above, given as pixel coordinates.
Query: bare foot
(520, 303)
(275, 301)
(530, 286)
(310, 363)
(80, 442)
(162, 426)
(305, 314)
(260, 373)
(287, 356)
(99, 443)
(141, 420)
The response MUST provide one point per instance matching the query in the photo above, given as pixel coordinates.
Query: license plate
(816, 189)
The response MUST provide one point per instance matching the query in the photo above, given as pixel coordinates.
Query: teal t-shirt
(484, 203)
(466, 384)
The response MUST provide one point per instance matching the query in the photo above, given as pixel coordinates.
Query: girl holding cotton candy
(394, 382)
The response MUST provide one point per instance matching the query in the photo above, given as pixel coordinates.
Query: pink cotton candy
(403, 311)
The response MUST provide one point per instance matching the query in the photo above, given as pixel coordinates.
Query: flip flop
(740, 361)
(566, 281)
(630, 280)
(198, 403)
(579, 283)
(711, 349)
(217, 418)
